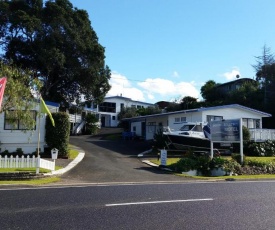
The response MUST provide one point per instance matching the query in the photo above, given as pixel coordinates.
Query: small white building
(147, 126)
(112, 106)
(14, 137)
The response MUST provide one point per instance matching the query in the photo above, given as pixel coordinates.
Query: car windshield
(187, 127)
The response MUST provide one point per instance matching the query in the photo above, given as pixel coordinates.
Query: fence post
(37, 164)
(5, 162)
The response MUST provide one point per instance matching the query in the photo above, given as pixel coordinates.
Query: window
(197, 128)
(107, 107)
(121, 106)
(213, 118)
(177, 119)
(12, 122)
(138, 106)
(113, 118)
(251, 123)
(134, 128)
(183, 119)
(151, 127)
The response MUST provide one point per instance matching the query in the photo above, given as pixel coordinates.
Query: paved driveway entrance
(113, 161)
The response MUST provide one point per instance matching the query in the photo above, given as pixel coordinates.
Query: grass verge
(239, 177)
(34, 182)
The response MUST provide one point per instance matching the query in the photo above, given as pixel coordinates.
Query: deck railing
(259, 135)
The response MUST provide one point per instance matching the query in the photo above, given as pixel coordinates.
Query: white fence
(26, 162)
(259, 135)
(75, 118)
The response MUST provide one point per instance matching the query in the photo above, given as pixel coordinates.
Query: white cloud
(232, 75)
(152, 89)
(122, 86)
(167, 88)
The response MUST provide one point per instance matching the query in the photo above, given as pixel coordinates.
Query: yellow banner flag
(45, 109)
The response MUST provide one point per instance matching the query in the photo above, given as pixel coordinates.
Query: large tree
(209, 92)
(19, 99)
(57, 42)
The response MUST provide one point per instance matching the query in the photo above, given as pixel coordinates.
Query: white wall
(137, 125)
(232, 113)
(190, 117)
(226, 113)
(125, 101)
(27, 141)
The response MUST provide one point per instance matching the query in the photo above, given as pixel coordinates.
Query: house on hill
(109, 109)
(233, 85)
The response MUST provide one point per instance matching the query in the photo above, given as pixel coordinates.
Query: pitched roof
(237, 106)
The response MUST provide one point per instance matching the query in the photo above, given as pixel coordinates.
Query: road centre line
(158, 202)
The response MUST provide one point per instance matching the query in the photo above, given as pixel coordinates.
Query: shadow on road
(125, 147)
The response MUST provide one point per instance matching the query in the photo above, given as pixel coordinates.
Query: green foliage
(217, 162)
(203, 165)
(148, 111)
(237, 158)
(56, 40)
(91, 123)
(19, 102)
(160, 140)
(208, 91)
(185, 165)
(266, 148)
(58, 136)
(246, 134)
(19, 151)
(231, 166)
(127, 112)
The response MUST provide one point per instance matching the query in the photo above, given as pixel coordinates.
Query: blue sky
(165, 50)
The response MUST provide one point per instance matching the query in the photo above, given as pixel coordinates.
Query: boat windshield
(187, 127)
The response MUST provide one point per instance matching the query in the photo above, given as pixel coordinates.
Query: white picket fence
(26, 162)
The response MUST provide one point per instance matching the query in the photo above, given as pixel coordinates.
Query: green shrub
(246, 134)
(185, 165)
(266, 148)
(203, 164)
(58, 136)
(19, 151)
(231, 166)
(160, 140)
(237, 157)
(5, 152)
(217, 162)
(91, 124)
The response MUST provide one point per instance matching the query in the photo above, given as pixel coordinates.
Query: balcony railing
(259, 135)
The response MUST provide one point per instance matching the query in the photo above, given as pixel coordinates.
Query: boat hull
(186, 142)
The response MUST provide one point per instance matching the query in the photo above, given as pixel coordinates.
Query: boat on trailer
(192, 135)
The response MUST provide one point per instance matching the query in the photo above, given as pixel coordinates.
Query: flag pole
(38, 143)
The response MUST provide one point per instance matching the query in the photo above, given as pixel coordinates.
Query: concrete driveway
(113, 161)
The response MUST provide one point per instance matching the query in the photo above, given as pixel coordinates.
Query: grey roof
(127, 98)
(237, 106)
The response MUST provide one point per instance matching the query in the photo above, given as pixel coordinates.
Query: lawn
(72, 155)
(174, 160)
(171, 161)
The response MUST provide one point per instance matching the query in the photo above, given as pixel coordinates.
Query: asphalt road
(113, 161)
(215, 206)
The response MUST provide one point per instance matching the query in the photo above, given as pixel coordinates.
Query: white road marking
(159, 202)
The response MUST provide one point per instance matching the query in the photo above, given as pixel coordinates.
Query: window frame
(16, 124)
